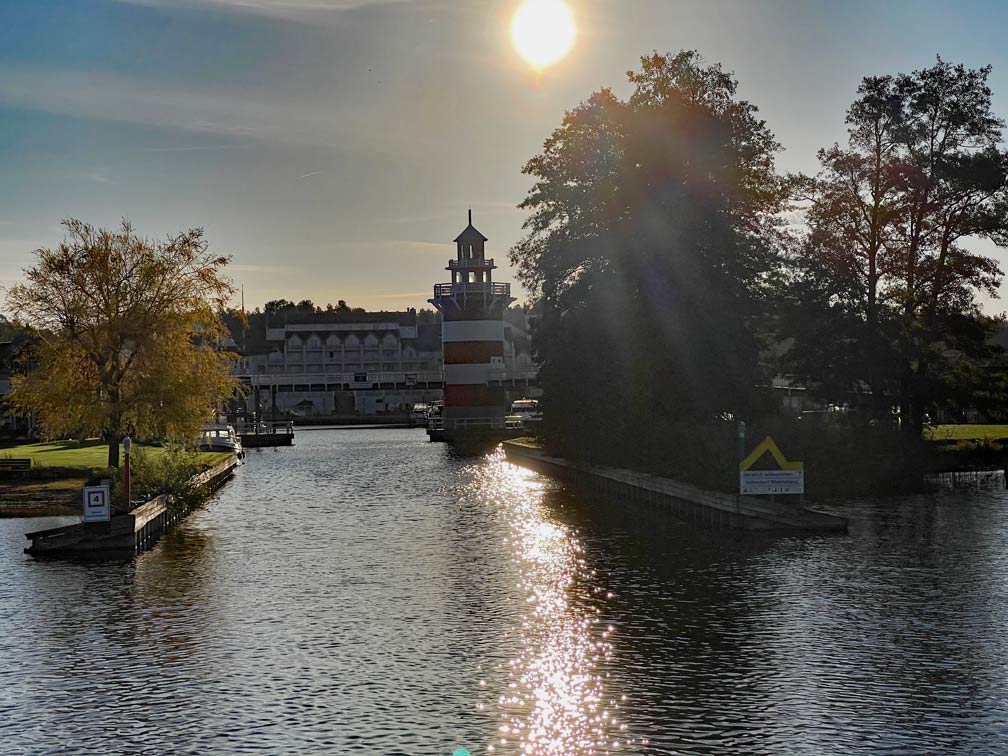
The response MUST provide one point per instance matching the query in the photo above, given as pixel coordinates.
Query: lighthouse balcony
(468, 263)
(472, 289)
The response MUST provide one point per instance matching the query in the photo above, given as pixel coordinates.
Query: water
(369, 592)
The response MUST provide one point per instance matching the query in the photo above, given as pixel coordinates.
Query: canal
(369, 592)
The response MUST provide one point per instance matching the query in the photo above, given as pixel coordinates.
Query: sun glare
(543, 31)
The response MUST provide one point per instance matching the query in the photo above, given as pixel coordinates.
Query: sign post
(788, 478)
(96, 504)
(127, 445)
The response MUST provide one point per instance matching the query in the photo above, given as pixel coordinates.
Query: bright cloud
(291, 9)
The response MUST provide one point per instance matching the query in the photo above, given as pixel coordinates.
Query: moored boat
(527, 412)
(219, 437)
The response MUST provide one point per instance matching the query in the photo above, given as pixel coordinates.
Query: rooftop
(470, 234)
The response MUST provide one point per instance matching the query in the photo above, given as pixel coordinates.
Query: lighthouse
(472, 336)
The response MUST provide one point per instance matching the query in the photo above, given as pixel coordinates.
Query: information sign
(789, 478)
(96, 504)
(755, 482)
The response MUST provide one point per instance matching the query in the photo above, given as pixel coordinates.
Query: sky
(333, 147)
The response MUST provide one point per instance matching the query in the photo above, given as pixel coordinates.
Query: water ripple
(368, 592)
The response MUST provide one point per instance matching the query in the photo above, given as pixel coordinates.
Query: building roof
(470, 234)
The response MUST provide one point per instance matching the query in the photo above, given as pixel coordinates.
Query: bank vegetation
(684, 283)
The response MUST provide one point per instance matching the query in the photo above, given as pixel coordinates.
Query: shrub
(169, 472)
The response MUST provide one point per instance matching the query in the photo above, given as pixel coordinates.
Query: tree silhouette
(888, 279)
(651, 241)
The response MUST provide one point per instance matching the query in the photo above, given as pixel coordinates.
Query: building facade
(370, 363)
(379, 363)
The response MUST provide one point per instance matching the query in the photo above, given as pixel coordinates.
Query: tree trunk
(113, 439)
(911, 405)
(113, 436)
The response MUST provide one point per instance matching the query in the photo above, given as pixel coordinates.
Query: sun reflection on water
(554, 701)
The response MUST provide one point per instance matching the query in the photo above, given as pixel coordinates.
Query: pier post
(127, 445)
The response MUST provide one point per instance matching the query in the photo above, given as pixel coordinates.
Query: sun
(543, 31)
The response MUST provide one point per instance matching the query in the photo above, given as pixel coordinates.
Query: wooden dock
(274, 435)
(125, 535)
(683, 500)
(472, 436)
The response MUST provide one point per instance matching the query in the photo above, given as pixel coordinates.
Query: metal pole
(741, 456)
(127, 444)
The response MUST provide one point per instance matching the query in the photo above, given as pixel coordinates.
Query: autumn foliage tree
(129, 335)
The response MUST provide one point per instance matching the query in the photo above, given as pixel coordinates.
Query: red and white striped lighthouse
(472, 335)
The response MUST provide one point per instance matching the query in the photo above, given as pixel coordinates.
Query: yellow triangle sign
(768, 445)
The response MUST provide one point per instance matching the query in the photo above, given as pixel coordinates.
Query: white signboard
(787, 478)
(765, 482)
(96, 504)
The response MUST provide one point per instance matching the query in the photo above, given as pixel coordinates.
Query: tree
(887, 260)
(852, 204)
(277, 306)
(130, 335)
(651, 240)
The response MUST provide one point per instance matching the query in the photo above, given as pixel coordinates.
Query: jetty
(682, 500)
(124, 535)
(272, 434)
(474, 435)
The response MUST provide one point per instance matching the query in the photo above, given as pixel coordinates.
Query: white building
(364, 364)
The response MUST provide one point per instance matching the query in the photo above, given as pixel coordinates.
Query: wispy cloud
(234, 113)
(193, 148)
(480, 209)
(386, 294)
(251, 268)
(288, 9)
(411, 245)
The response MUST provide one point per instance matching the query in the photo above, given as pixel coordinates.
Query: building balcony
(472, 290)
(469, 264)
(337, 378)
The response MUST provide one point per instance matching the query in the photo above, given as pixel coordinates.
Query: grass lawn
(966, 432)
(59, 470)
(530, 441)
(82, 455)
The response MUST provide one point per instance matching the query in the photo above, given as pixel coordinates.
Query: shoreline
(682, 500)
(126, 534)
(52, 485)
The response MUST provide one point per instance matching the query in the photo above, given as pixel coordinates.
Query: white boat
(418, 414)
(220, 438)
(527, 411)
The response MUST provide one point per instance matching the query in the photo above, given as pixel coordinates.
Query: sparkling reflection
(553, 698)
(370, 592)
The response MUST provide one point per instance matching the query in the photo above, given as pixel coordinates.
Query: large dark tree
(887, 279)
(649, 244)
